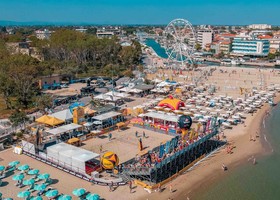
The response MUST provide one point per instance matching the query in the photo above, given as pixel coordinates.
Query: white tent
(63, 115)
(63, 129)
(162, 116)
(107, 97)
(70, 156)
(125, 89)
(134, 90)
(118, 94)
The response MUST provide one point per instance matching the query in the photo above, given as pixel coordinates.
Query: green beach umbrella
(0, 194)
(44, 176)
(23, 167)
(24, 194)
(40, 187)
(36, 198)
(93, 197)
(29, 182)
(79, 192)
(51, 193)
(8, 199)
(33, 171)
(65, 197)
(14, 163)
(18, 177)
(2, 168)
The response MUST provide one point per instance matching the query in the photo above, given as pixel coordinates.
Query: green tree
(18, 117)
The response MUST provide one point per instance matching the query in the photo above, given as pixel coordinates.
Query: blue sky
(142, 12)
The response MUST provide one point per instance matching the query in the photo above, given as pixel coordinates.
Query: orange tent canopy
(53, 121)
(172, 103)
(43, 119)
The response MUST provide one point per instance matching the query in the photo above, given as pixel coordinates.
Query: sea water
(253, 182)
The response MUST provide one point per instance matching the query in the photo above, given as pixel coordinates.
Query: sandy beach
(207, 171)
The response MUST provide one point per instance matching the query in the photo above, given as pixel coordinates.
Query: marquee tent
(63, 115)
(172, 103)
(71, 157)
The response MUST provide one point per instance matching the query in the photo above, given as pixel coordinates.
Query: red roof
(265, 37)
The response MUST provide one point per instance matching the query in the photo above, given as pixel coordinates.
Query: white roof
(73, 152)
(106, 97)
(63, 115)
(118, 94)
(134, 90)
(63, 129)
(106, 116)
(163, 116)
(125, 89)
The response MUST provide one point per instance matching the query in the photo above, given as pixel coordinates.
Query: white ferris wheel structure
(179, 42)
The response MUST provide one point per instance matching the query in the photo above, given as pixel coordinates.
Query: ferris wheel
(179, 41)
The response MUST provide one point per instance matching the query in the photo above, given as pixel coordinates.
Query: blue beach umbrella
(29, 182)
(93, 197)
(23, 167)
(44, 176)
(79, 192)
(33, 171)
(40, 187)
(23, 194)
(18, 177)
(51, 193)
(65, 197)
(2, 168)
(14, 163)
(36, 198)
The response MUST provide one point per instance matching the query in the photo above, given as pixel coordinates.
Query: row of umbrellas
(20, 176)
(38, 187)
(53, 193)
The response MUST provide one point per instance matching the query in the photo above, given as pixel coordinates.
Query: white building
(259, 26)
(205, 37)
(82, 30)
(43, 34)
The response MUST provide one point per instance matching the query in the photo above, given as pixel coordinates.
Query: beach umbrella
(18, 177)
(2, 168)
(0, 194)
(36, 198)
(23, 167)
(44, 176)
(24, 194)
(51, 193)
(92, 197)
(33, 171)
(14, 163)
(29, 182)
(65, 197)
(79, 192)
(40, 187)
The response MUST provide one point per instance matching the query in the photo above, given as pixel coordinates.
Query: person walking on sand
(111, 187)
(144, 134)
(100, 148)
(159, 187)
(170, 188)
(130, 186)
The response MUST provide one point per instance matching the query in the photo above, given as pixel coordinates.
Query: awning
(73, 140)
(163, 116)
(53, 121)
(105, 116)
(63, 129)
